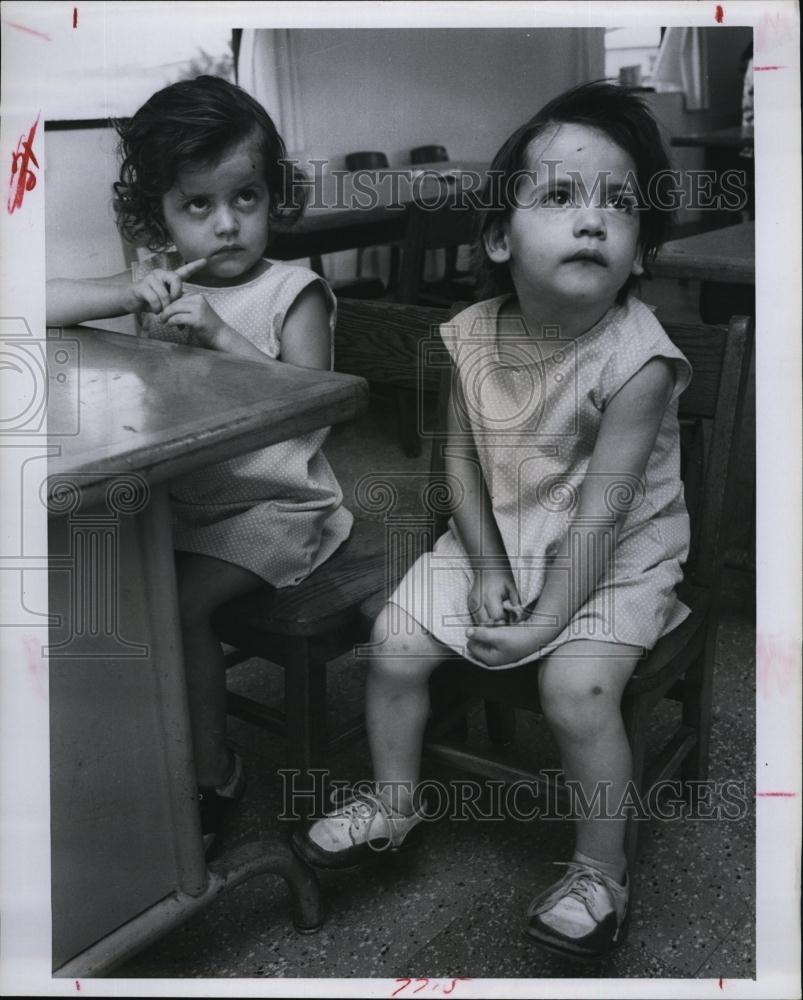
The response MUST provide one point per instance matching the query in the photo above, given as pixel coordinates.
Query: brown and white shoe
(361, 828)
(583, 916)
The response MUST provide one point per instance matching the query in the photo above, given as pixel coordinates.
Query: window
(108, 69)
(630, 47)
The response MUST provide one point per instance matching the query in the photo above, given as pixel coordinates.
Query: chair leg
(407, 410)
(501, 722)
(394, 268)
(696, 713)
(634, 714)
(305, 712)
(443, 700)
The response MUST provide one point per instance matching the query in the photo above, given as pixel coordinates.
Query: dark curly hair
(193, 123)
(627, 121)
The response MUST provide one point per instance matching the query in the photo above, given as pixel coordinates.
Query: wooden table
(346, 210)
(726, 256)
(732, 137)
(124, 416)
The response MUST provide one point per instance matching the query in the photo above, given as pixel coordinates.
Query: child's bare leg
(204, 583)
(581, 687)
(397, 704)
(397, 701)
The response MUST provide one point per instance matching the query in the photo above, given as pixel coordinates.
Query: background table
(726, 256)
(732, 137)
(124, 416)
(367, 207)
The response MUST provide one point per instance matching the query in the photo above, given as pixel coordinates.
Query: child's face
(569, 243)
(221, 213)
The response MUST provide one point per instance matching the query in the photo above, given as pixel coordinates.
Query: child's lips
(223, 251)
(592, 256)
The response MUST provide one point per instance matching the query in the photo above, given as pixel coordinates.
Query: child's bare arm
(306, 337)
(305, 334)
(476, 526)
(626, 438)
(78, 300)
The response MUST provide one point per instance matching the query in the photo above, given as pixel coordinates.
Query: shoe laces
(363, 808)
(578, 882)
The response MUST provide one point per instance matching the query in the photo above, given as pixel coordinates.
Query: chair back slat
(720, 359)
(431, 228)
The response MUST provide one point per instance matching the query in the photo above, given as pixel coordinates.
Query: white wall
(80, 234)
(466, 89)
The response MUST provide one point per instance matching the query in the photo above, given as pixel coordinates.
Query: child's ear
(496, 247)
(637, 267)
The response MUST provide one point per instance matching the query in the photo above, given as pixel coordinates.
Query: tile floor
(456, 905)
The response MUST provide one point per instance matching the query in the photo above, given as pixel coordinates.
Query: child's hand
(492, 597)
(205, 327)
(159, 287)
(496, 645)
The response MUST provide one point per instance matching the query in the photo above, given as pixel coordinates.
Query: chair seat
(670, 656)
(324, 601)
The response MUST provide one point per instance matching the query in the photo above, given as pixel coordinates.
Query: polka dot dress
(532, 410)
(278, 511)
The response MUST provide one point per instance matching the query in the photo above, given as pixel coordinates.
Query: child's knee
(401, 649)
(577, 704)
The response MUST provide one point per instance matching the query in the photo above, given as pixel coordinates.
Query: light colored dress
(532, 411)
(278, 511)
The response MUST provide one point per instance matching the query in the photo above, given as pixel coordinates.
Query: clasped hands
(504, 631)
(162, 292)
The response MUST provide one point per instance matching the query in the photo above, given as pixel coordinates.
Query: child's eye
(248, 197)
(622, 203)
(197, 205)
(557, 199)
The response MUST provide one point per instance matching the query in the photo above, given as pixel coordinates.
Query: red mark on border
(28, 31)
(762, 69)
(425, 981)
(75, 17)
(721, 983)
(22, 179)
(78, 985)
(37, 667)
(778, 664)
(719, 14)
(776, 795)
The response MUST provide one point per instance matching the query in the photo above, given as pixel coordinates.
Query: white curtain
(267, 69)
(682, 65)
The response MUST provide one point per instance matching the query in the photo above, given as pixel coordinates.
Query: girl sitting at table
(563, 436)
(202, 170)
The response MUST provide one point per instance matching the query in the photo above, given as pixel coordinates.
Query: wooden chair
(432, 228)
(681, 664)
(366, 161)
(302, 628)
(427, 229)
(370, 160)
(438, 154)
(428, 154)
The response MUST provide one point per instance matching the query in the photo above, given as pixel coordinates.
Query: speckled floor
(456, 905)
